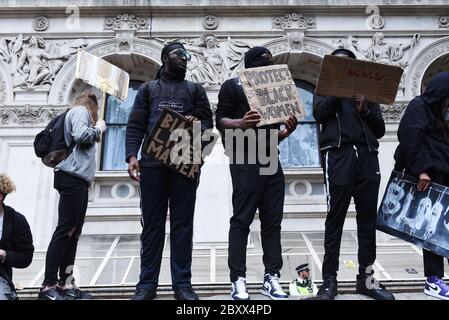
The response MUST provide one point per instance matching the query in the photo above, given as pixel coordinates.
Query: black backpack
(50, 145)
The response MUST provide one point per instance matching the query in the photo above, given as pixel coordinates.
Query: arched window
(301, 148)
(116, 117)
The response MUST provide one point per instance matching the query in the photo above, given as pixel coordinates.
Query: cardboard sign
(179, 145)
(418, 217)
(272, 92)
(344, 77)
(102, 75)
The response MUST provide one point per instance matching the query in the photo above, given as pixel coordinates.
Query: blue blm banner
(418, 217)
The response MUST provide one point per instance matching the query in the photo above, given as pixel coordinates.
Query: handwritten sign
(344, 77)
(272, 92)
(178, 144)
(418, 217)
(101, 74)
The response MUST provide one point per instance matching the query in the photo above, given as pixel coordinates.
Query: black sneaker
(74, 294)
(186, 293)
(376, 291)
(328, 289)
(144, 294)
(50, 294)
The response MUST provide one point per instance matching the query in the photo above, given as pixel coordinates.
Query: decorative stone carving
(125, 41)
(3, 89)
(294, 21)
(34, 61)
(40, 23)
(393, 112)
(376, 22)
(126, 22)
(210, 22)
(381, 52)
(29, 115)
(443, 22)
(213, 61)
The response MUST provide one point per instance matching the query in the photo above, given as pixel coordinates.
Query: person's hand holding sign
(191, 120)
(361, 104)
(249, 120)
(290, 125)
(424, 181)
(134, 169)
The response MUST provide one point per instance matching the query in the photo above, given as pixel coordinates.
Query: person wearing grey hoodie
(73, 177)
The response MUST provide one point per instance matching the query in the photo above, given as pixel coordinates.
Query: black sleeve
(375, 120)
(137, 122)
(324, 108)
(202, 110)
(22, 253)
(411, 134)
(226, 102)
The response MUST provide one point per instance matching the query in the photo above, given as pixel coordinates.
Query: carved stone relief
(294, 21)
(27, 115)
(40, 23)
(126, 22)
(210, 22)
(443, 22)
(393, 112)
(376, 22)
(34, 61)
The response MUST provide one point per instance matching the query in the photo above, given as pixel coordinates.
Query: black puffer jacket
(17, 241)
(328, 112)
(422, 145)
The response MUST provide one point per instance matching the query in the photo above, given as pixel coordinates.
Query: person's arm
(202, 110)
(373, 117)
(135, 130)
(324, 108)
(290, 126)
(22, 254)
(412, 132)
(81, 130)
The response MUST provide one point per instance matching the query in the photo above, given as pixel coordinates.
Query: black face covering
(254, 59)
(261, 62)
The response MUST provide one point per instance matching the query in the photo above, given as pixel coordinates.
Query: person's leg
(68, 261)
(433, 264)
(182, 207)
(271, 209)
(246, 184)
(71, 206)
(154, 205)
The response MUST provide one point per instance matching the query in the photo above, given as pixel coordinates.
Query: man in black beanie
(162, 187)
(350, 129)
(251, 189)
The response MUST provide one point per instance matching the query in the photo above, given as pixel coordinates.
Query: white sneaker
(238, 289)
(272, 288)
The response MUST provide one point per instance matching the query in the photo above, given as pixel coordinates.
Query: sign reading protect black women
(418, 217)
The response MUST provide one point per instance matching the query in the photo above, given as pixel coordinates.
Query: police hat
(302, 267)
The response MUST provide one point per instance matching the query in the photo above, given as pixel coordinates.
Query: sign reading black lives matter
(272, 92)
(178, 144)
(418, 217)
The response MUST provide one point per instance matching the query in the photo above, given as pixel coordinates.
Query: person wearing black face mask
(423, 152)
(160, 186)
(350, 129)
(251, 189)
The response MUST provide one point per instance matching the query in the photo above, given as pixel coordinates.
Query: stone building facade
(38, 45)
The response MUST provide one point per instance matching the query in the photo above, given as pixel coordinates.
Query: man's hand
(290, 126)
(361, 104)
(191, 119)
(249, 120)
(424, 181)
(134, 169)
(2, 255)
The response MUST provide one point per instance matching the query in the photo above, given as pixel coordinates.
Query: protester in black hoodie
(348, 139)
(16, 241)
(424, 153)
(252, 189)
(161, 186)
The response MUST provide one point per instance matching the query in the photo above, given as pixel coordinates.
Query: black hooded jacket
(342, 125)
(422, 145)
(17, 241)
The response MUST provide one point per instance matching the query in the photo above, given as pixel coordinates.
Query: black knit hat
(253, 53)
(344, 51)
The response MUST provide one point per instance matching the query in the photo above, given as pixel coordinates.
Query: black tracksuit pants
(252, 191)
(350, 172)
(163, 188)
(61, 252)
(434, 263)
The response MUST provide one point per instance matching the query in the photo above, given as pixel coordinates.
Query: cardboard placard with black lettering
(419, 217)
(179, 145)
(272, 92)
(344, 77)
